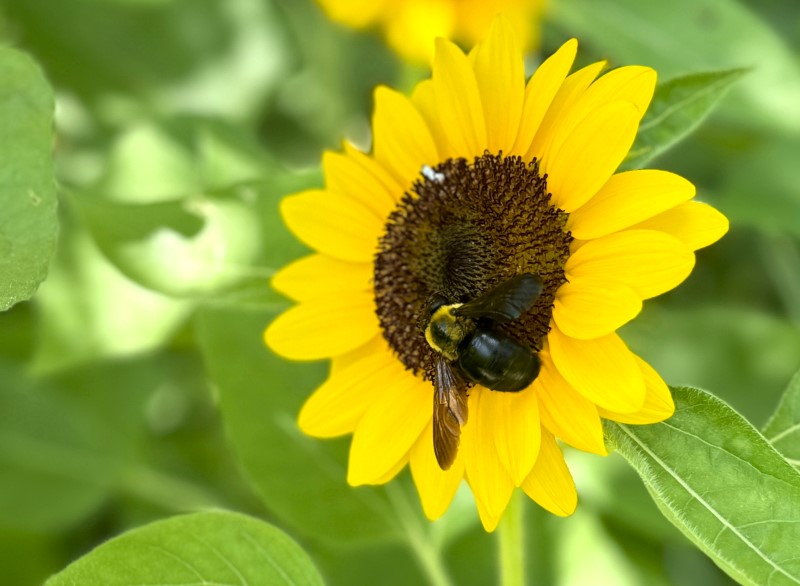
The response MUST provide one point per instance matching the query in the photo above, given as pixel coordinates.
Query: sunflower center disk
(463, 229)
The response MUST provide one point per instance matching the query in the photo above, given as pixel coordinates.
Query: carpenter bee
(473, 350)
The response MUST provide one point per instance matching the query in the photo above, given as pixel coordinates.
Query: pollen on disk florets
(463, 228)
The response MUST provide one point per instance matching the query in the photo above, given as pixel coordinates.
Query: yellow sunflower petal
(424, 98)
(516, 429)
(323, 327)
(694, 223)
(375, 345)
(589, 307)
(626, 199)
(500, 73)
(634, 84)
(390, 427)
(602, 370)
(590, 154)
(658, 405)
(402, 140)
(565, 412)
(436, 487)
(491, 484)
(371, 166)
(648, 261)
(336, 407)
(458, 101)
(393, 471)
(540, 91)
(318, 275)
(333, 224)
(550, 484)
(345, 176)
(570, 90)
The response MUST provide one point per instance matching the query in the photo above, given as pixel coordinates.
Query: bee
(473, 350)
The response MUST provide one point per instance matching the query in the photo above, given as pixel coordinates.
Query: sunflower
(476, 178)
(411, 26)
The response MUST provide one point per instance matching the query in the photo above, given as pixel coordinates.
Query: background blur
(135, 386)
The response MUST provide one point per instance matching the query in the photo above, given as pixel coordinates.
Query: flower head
(476, 179)
(411, 26)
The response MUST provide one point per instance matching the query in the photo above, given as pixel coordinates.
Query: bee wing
(449, 413)
(506, 302)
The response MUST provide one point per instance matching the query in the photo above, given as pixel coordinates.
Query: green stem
(167, 492)
(782, 260)
(427, 554)
(511, 536)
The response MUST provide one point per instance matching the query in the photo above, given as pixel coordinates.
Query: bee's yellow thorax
(445, 331)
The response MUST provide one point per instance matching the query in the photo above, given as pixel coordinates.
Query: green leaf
(300, 479)
(28, 223)
(189, 209)
(217, 547)
(722, 484)
(53, 466)
(87, 309)
(678, 107)
(783, 429)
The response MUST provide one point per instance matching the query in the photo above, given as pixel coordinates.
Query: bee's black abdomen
(497, 361)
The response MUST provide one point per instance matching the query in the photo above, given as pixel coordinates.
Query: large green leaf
(215, 547)
(54, 468)
(722, 484)
(678, 107)
(27, 187)
(783, 429)
(301, 480)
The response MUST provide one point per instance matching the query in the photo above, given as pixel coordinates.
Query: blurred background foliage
(134, 385)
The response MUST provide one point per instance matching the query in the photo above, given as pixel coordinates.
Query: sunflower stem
(419, 541)
(511, 539)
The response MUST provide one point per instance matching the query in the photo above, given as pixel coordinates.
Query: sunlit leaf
(27, 186)
(189, 209)
(87, 309)
(300, 479)
(722, 484)
(678, 107)
(783, 429)
(203, 548)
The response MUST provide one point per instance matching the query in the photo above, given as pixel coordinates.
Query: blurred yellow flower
(411, 26)
(476, 178)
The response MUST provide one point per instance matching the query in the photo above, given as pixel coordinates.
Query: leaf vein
(708, 506)
(178, 559)
(225, 560)
(269, 558)
(723, 450)
(789, 430)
